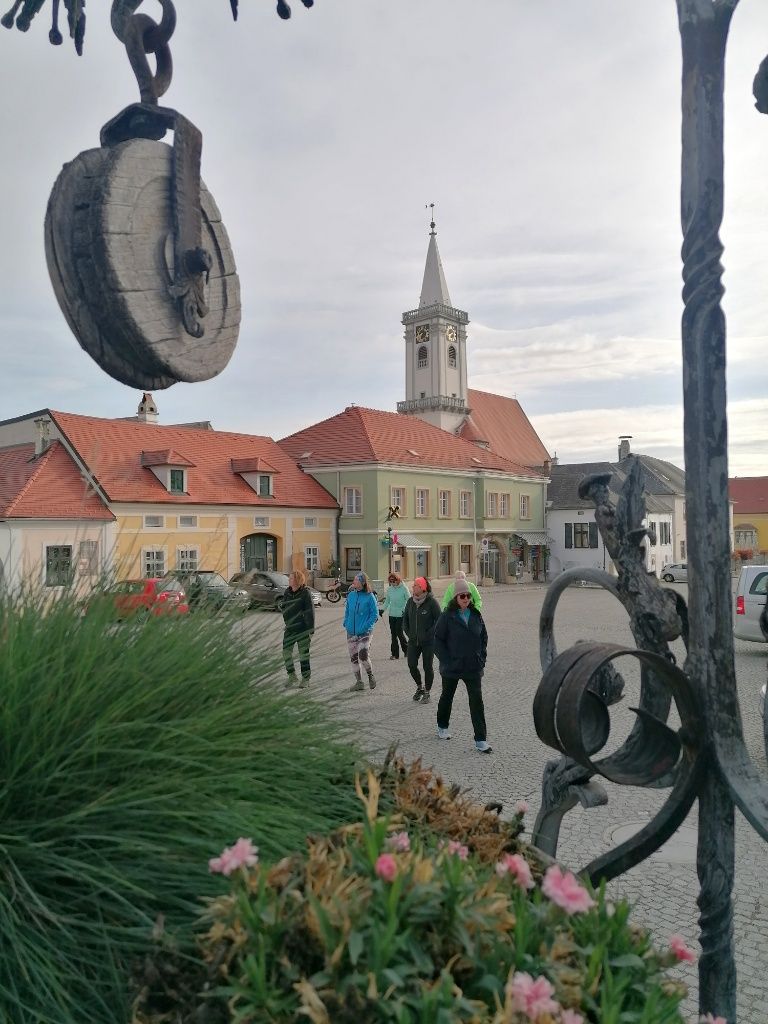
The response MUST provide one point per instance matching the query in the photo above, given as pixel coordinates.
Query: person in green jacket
(395, 601)
(450, 590)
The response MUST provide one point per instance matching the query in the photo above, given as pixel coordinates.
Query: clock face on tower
(450, 334)
(422, 333)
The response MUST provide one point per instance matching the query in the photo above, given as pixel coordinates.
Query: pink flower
(242, 854)
(457, 848)
(521, 807)
(532, 997)
(571, 1017)
(517, 866)
(386, 867)
(564, 890)
(679, 948)
(708, 1018)
(400, 842)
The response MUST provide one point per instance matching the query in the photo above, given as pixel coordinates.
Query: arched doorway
(258, 551)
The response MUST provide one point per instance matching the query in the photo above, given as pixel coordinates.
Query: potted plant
(326, 576)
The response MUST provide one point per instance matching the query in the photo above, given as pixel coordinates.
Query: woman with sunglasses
(395, 601)
(461, 646)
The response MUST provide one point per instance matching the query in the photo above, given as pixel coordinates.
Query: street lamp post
(389, 549)
(706, 759)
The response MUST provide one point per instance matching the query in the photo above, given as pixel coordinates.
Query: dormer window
(170, 467)
(257, 473)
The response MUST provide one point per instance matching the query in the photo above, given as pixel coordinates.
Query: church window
(423, 356)
(451, 355)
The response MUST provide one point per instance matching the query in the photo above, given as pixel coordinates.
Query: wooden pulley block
(112, 236)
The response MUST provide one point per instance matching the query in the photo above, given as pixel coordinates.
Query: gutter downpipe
(474, 524)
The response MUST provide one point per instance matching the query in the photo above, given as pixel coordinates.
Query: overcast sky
(547, 135)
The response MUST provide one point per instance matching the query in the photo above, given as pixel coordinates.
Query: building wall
(216, 537)
(562, 558)
(24, 544)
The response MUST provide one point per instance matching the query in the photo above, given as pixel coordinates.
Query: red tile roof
(112, 451)
(502, 423)
(360, 435)
(164, 457)
(47, 487)
(749, 494)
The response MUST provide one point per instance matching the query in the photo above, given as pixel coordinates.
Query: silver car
(751, 593)
(265, 588)
(675, 572)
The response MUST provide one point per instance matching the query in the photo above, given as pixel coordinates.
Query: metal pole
(389, 547)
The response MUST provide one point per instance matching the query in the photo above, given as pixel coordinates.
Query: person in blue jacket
(395, 601)
(360, 616)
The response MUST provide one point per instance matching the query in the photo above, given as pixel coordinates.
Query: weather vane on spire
(432, 216)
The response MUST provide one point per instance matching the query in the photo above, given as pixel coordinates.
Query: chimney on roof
(43, 438)
(147, 412)
(624, 440)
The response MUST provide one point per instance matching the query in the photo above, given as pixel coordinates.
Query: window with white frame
(422, 502)
(261, 522)
(58, 565)
(153, 562)
(397, 497)
(187, 521)
(444, 504)
(504, 506)
(665, 534)
(310, 522)
(465, 505)
(311, 558)
(265, 486)
(353, 501)
(88, 558)
(177, 481)
(492, 505)
(154, 522)
(187, 559)
(652, 533)
(525, 506)
(423, 357)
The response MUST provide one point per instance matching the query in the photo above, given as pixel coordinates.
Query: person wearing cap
(395, 601)
(419, 620)
(461, 645)
(360, 616)
(450, 590)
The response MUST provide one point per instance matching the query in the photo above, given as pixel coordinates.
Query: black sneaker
(419, 693)
(425, 698)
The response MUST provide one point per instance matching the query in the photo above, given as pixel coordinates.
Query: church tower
(435, 351)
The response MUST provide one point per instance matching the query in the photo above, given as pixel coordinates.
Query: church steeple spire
(435, 350)
(433, 287)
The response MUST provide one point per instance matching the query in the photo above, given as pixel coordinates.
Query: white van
(751, 592)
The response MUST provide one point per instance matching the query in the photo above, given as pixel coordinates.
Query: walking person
(360, 616)
(395, 601)
(419, 620)
(461, 645)
(299, 619)
(450, 590)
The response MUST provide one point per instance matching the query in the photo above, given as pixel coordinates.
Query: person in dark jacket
(461, 645)
(299, 618)
(419, 620)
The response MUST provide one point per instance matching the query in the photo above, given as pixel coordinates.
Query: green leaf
(355, 946)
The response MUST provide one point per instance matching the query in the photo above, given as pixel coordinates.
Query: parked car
(751, 591)
(675, 572)
(208, 590)
(140, 598)
(265, 588)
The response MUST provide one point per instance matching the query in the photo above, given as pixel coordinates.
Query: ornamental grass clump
(123, 749)
(379, 922)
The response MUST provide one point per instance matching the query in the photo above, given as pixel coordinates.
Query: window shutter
(593, 535)
(569, 535)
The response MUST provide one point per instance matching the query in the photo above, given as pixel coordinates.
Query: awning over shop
(411, 543)
(533, 537)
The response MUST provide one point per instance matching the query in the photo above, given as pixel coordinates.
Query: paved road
(663, 889)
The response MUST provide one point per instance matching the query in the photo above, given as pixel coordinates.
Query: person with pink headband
(419, 620)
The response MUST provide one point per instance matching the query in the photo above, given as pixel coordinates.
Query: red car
(142, 598)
